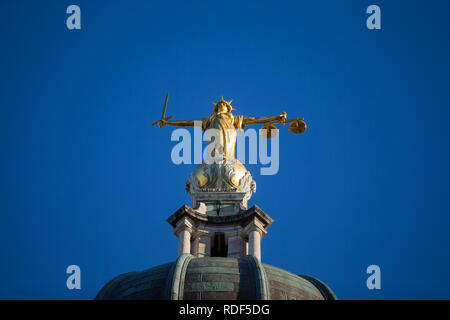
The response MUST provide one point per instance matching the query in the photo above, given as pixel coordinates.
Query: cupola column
(184, 241)
(236, 245)
(254, 244)
(255, 230)
(204, 245)
(183, 232)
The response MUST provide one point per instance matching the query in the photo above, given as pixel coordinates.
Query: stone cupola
(219, 224)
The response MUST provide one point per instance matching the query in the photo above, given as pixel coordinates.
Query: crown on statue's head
(223, 102)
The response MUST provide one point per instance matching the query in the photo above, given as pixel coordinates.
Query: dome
(215, 278)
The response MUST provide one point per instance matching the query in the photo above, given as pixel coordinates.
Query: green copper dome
(217, 278)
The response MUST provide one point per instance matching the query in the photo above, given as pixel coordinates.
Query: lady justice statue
(228, 173)
(226, 123)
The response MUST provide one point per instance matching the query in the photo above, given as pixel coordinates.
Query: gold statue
(226, 123)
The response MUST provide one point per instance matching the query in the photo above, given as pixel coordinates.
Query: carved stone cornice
(242, 218)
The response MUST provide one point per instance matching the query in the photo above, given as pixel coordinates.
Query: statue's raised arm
(179, 123)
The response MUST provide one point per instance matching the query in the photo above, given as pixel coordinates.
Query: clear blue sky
(85, 180)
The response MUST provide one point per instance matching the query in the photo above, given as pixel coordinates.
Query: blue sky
(85, 180)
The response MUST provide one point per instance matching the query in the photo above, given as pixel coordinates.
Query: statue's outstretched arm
(179, 123)
(263, 120)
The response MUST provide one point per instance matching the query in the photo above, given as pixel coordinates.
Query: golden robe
(226, 125)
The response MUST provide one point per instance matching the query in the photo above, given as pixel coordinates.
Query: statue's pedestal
(218, 203)
(221, 188)
(234, 235)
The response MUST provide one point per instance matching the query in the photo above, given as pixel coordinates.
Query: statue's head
(222, 106)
